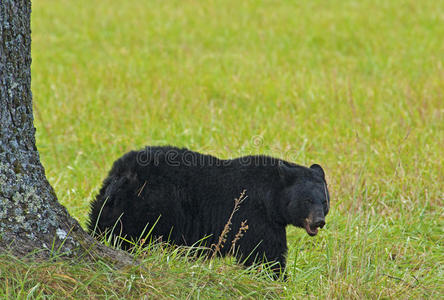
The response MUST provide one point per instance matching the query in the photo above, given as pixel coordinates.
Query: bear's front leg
(276, 262)
(270, 249)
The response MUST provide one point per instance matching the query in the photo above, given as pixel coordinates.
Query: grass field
(356, 86)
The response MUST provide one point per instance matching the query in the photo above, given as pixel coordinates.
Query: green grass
(165, 274)
(356, 86)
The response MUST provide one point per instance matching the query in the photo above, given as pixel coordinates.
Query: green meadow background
(356, 86)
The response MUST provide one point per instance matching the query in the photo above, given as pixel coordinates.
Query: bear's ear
(286, 172)
(317, 168)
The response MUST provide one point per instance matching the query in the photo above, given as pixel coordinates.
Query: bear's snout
(315, 220)
(319, 222)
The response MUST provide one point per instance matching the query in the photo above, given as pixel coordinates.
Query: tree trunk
(30, 216)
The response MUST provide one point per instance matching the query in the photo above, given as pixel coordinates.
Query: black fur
(194, 195)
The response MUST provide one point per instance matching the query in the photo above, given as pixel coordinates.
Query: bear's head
(304, 201)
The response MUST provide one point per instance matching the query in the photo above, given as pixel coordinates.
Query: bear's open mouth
(312, 231)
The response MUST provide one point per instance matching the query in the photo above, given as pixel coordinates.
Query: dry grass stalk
(223, 236)
(243, 228)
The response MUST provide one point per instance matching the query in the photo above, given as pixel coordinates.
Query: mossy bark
(30, 216)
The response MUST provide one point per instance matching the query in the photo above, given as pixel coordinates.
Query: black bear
(189, 197)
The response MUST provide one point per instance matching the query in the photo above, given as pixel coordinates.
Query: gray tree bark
(30, 216)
